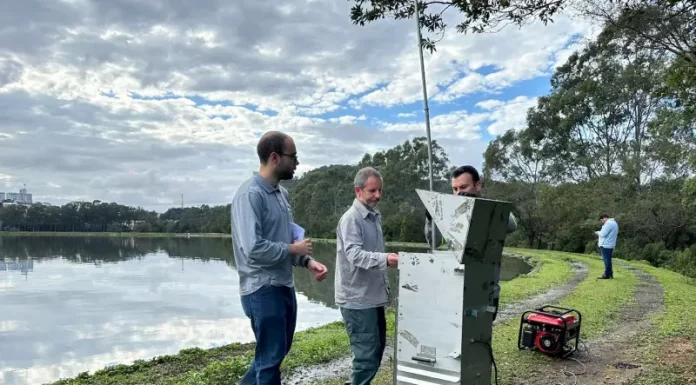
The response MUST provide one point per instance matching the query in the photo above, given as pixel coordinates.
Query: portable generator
(550, 330)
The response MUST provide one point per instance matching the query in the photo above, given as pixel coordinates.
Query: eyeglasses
(293, 156)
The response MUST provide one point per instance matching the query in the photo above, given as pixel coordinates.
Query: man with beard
(361, 282)
(466, 181)
(265, 254)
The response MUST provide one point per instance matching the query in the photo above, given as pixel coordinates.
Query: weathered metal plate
(430, 314)
(452, 216)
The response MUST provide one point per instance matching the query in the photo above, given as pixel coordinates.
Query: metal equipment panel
(429, 338)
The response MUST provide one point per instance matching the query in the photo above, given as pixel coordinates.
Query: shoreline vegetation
(324, 344)
(165, 235)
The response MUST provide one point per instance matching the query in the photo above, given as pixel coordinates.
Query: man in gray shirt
(361, 281)
(265, 254)
(466, 181)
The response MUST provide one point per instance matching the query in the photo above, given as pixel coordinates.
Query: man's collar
(364, 210)
(264, 183)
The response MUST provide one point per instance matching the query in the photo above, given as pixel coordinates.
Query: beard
(285, 174)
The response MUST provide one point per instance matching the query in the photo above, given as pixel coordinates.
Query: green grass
(675, 323)
(159, 370)
(680, 291)
(549, 271)
(224, 365)
(596, 301)
(313, 347)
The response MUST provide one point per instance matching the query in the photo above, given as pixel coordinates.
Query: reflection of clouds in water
(69, 367)
(74, 317)
(177, 334)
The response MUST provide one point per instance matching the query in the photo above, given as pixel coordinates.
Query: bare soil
(616, 356)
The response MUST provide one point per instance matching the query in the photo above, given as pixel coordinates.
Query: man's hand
(303, 247)
(318, 270)
(393, 260)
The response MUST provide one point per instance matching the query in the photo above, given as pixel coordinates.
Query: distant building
(21, 197)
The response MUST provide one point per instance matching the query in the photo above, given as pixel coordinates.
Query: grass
(596, 303)
(313, 346)
(674, 326)
(224, 365)
(680, 291)
(549, 271)
(219, 365)
(599, 304)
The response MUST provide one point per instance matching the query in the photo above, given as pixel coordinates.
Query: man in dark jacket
(466, 181)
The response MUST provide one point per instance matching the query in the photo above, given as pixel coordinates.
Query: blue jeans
(273, 314)
(606, 256)
(367, 331)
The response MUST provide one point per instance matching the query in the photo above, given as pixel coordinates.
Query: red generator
(551, 330)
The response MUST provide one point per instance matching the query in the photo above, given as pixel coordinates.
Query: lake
(75, 304)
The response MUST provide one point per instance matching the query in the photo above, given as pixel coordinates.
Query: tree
(665, 26)
(479, 16)
(595, 121)
(525, 167)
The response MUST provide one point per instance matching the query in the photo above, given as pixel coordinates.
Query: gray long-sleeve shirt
(361, 279)
(261, 235)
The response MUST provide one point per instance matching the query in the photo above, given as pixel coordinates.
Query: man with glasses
(265, 254)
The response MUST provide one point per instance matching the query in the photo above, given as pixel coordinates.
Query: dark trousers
(367, 331)
(606, 256)
(273, 314)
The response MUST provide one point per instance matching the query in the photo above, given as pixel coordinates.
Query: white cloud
(139, 102)
(510, 115)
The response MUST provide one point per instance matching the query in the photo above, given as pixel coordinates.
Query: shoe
(604, 277)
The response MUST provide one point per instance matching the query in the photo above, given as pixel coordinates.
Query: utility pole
(427, 114)
(182, 201)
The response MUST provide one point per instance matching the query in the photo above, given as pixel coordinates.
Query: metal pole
(427, 115)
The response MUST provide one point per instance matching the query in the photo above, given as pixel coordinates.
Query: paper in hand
(297, 232)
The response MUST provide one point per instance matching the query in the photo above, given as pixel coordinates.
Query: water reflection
(74, 304)
(92, 302)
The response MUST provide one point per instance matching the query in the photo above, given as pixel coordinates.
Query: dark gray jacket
(512, 226)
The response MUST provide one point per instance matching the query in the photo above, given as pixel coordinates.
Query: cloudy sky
(138, 102)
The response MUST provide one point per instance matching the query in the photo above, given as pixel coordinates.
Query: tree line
(616, 134)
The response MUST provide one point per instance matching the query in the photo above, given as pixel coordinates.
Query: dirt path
(513, 310)
(341, 367)
(610, 358)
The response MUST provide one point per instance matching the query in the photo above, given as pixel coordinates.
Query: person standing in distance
(265, 254)
(607, 242)
(466, 181)
(361, 281)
